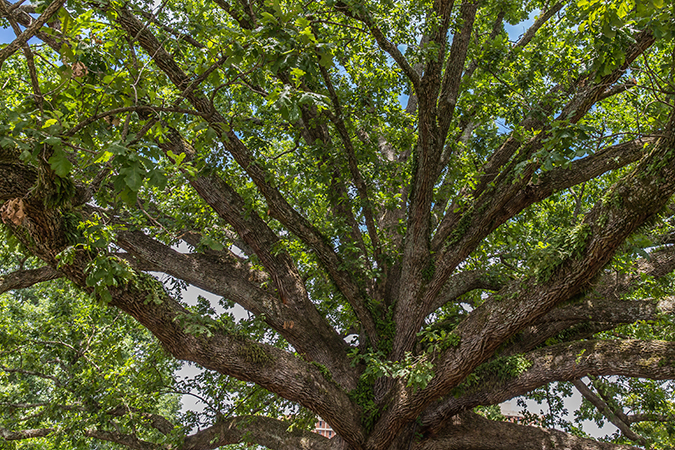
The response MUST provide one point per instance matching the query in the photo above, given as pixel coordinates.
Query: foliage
(399, 211)
(69, 364)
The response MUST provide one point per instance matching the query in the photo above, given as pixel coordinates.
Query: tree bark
(472, 432)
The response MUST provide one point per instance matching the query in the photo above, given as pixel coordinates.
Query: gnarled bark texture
(390, 270)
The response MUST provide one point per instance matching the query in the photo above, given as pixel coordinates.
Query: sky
(191, 403)
(6, 35)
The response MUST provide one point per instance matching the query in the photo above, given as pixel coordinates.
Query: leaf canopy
(423, 213)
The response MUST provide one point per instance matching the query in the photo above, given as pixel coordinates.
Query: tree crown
(484, 218)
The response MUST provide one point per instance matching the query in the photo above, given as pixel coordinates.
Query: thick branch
(215, 272)
(268, 366)
(434, 119)
(127, 440)
(29, 32)
(454, 68)
(582, 321)
(279, 208)
(473, 432)
(437, 24)
(26, 278)
(602, 307)
(25, 434)
(612, 310)
(28, 53)
(219, 274)
(266, 431)
(25, 19)
(564, 362)
(272, 368)
(578, 171)
(160, 423)
(462, 283)
(522, 303)
(320, 342)
(650, 417)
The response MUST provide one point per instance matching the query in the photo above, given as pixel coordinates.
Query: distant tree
(67, 364)
(506, 232)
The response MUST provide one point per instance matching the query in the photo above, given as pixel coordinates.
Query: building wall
(323, 429)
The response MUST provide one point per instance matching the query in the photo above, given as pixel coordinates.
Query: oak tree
(423, 214)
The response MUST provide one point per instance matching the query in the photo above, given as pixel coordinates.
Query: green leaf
(326, 59)
(59, 163)
(267, 18)
(49, 123)
(302, 22)
(157, 178)
(104, 157)
(133, 178)
(277, 7)
(117, 149)
(211, 243)
(294, 113)
(53, 140)
(67, 53)
(177, 159)
(608, 31)
(7, 142)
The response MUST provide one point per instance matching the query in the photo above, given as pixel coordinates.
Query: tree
(64, 360)
(508, 231)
